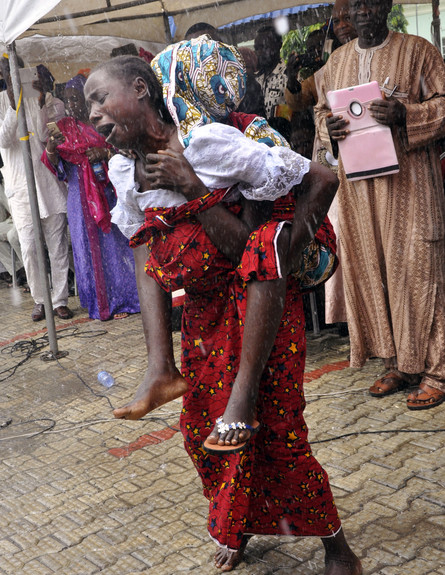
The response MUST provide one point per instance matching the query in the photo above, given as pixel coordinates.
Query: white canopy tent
(136, 19)
(66, 55)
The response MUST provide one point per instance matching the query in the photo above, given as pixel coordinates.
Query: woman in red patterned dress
(274, 485)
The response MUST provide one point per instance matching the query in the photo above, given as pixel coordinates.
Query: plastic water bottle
(99, 171)
(105, 378)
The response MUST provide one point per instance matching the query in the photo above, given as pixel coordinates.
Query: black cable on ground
(73, 372)
(51, 425)
(31, 347)
(34, 346)
(375, 432)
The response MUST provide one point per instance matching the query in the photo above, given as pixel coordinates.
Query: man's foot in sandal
(392, 383)
(425, 397)
(227, 560)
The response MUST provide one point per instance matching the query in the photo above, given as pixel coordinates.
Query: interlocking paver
(69, 507)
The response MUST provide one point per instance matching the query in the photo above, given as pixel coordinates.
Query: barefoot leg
(155, 390)
(265, 302)
(340, 559)
(227, 560)
(162, 381)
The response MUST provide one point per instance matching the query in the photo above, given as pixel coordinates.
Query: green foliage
(397, 20)
(295, 40)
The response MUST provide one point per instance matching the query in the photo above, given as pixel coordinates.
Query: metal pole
(314, 313)
(168, 35)
(14, 279)
(35, 213)
(435, 25)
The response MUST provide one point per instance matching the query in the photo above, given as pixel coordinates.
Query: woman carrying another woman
(274, 485)
(103, 261)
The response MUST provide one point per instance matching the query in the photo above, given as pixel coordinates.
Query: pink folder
(368, 151)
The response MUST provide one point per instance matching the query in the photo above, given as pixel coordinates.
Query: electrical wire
(335, 393)
(73, 372)
(34, 346)
(375, 432)
(50, 428)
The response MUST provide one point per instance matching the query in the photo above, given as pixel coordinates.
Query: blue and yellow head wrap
(202, 81)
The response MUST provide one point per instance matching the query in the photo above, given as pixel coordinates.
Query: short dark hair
(202, 27)
(130, 67)
(317, 33)
(269, 29)
(125, 50)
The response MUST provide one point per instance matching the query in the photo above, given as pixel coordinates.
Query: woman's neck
(165, 137)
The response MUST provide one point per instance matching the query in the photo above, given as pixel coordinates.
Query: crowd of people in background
(387, 291)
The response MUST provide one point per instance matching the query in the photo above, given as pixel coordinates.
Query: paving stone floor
(96, 495)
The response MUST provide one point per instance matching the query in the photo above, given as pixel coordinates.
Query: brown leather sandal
(388, 384)
(425, 397)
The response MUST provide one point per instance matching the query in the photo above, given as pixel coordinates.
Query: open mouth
(106, 130)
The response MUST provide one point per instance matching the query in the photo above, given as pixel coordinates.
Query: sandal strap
(225, 427)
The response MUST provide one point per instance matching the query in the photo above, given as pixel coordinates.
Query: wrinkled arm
(321, 112)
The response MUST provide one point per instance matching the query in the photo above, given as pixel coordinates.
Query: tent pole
(168, 36)
(435, 25)
(29, 170)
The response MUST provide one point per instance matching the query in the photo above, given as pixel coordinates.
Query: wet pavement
(81, 493)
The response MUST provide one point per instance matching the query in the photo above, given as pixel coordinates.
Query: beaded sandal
(214, 448)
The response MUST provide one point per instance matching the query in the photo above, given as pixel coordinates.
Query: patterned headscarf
(202, 81)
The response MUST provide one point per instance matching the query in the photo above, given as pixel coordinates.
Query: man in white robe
(51, 195)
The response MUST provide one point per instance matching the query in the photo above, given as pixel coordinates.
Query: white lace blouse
(222, 157)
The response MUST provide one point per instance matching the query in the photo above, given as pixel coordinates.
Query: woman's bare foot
(340, 559)
(338, 566)
(227, 560)
(152, 393)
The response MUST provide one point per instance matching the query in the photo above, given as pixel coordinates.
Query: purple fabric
(77, 82)
(103, 262)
